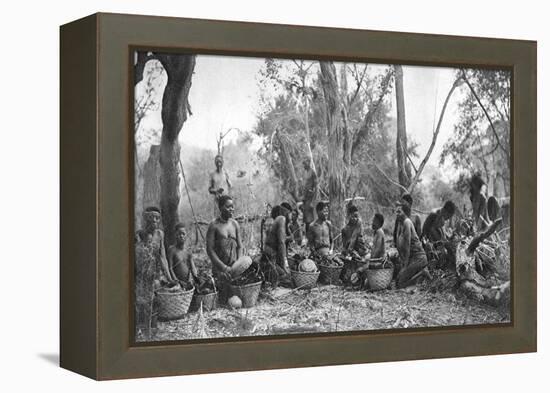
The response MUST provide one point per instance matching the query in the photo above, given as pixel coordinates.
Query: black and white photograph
(277, 196)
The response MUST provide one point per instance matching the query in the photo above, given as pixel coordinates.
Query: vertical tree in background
(403, 168)
(175, 109)
(335, 132)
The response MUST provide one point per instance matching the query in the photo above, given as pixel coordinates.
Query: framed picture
(241, 196)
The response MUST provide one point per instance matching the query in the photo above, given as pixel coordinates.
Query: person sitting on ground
(223, 245)
(352, 233)
(319, 233)
(412, 258)
(275, 257)
(180, 259)
(415, 218)
(438, 244)
(378, 250)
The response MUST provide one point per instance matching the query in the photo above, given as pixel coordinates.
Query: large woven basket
(209, 301)
(247, 293)
(304, 280)
(379, 278)
(330, 274)
(173, 305)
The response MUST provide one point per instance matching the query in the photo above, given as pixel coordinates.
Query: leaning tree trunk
(403, 168)
(335, 143)
(175, 108)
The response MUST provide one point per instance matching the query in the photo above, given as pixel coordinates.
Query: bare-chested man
(223, 245)
(180, 259)
(219, 183)
(319, 233)
(415, 218)
(412, 257)
(309, 192)
(352, 233)
(378, 249)
(275, 253)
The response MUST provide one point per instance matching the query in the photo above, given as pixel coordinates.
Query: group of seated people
(224, 247)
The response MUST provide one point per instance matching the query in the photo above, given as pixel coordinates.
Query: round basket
(379, 278)
(209, 301)
(330, 274)
(304, 280)
(173, 305)
(247, 293)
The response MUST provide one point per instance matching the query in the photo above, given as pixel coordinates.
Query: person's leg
(404, 278)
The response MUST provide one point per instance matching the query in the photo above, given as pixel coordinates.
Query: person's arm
(280, 223)
(210, 241)
(212, 189)
(163, 261)
(229, 185)
(378, 245)
(192, 267)
(238, 239)
(406, 246)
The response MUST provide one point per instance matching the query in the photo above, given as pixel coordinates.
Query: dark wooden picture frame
(97, 195)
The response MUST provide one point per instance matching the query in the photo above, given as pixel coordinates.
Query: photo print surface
(285, 196)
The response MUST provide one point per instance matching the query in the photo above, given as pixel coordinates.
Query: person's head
(353, 215)
(218, 161)
(377, 221)
(307, 164)
(225, 204)
(152, 218)
(448, 210)
(407, 198)
(403, 210)
(322, 210)
(476, 183)
(180, 233)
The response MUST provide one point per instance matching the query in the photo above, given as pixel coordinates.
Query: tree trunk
(151, 176)
(403, 168)
(335, 143)
(175, 108)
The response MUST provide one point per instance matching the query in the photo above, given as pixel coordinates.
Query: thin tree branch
(456, 83)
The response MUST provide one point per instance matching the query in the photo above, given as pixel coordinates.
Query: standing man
(309, 193)
(219, 183)
(223, 245)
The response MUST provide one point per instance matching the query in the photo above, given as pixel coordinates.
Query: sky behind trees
(225, 94)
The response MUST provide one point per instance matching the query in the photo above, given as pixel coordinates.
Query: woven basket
(173, 305)
(379, 278)
(304, 280)
(247, 293)
(209, 301)
(330, 274)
